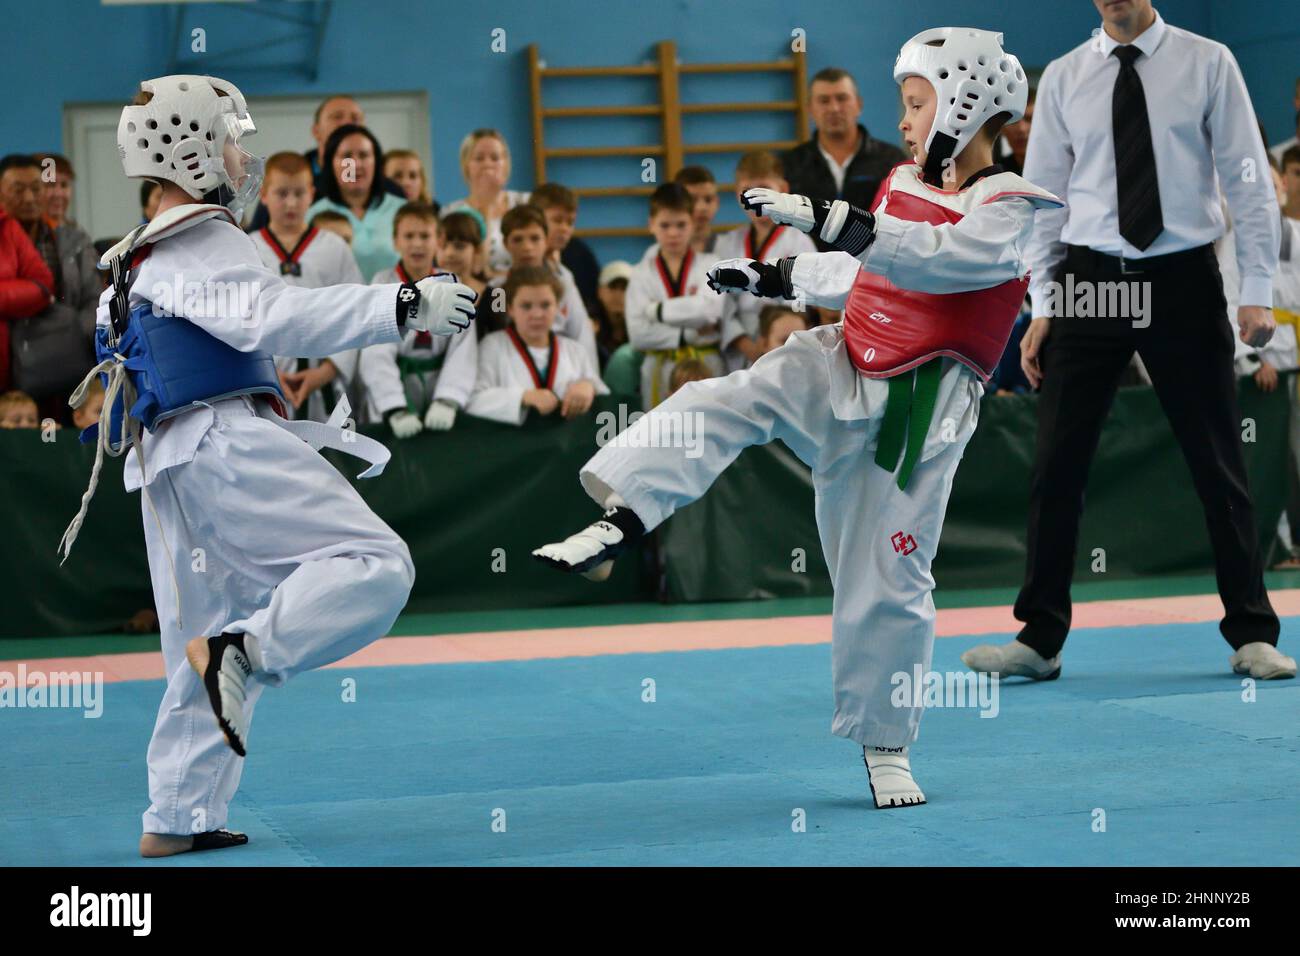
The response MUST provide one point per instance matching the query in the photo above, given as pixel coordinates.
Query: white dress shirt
(1205, 139)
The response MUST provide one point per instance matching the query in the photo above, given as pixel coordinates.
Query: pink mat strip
(677, 636)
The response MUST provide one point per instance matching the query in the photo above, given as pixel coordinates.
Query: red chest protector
(890, 330)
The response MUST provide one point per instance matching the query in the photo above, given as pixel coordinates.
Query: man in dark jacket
(841, 161)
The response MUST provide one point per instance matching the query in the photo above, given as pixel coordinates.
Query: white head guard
(189, 134)
(974, 80)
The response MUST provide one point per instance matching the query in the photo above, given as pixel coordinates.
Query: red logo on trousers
(903, 543)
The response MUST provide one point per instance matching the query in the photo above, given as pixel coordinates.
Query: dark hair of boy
(554, 196)
(524, 276)
(521, 217)
(670, 196)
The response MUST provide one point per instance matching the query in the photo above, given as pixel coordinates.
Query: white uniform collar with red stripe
(1001, 185)
(167, 223)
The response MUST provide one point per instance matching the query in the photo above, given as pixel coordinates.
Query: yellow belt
(679, 354)
(1283, 317)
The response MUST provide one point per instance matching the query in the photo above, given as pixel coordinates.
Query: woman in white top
(485, 164)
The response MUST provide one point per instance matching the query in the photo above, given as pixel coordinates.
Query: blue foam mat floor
(1147, 725)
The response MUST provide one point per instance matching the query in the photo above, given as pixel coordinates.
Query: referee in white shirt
(1131, 128)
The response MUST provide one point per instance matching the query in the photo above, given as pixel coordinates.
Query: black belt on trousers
(1107, 264)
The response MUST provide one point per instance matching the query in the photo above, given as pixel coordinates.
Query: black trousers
(1187, 348)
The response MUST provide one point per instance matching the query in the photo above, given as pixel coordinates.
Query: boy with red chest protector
(881, 405)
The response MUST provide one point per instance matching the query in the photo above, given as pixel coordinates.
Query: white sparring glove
(770, 280)
(838, 223)
(440, 416)
(437, 304)
(403, 424)
(786, 209)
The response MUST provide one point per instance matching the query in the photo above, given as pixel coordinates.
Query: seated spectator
(18, 410)
(485, 164)
(424, 380)
(699, 182)
(78, 263)
(1289, 167)
(760, 239)
(527, 365)
(610, 319)
(26, 285)
(404, 167)
(334, 222)
(333, 112)
(87, 413)
(310, 258)
(524, 233)
(354, 188)
(460, 249)
(1013, 142)
(150, 197)
(689, 370)
(560, 204)
(777, 323)
(672, 315)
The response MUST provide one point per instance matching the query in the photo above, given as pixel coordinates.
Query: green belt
(908, 413)
(409, 366)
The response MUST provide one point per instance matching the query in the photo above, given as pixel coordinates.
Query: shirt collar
(1147, 41)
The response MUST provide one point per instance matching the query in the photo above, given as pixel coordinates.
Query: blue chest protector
(173, 364)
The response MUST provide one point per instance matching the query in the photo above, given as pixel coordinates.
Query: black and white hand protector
(843, 225)
(438, 304)
(771, 280)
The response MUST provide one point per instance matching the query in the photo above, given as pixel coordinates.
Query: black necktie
(1136, 183)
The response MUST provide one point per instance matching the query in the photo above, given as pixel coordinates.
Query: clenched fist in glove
(440, 415)
(437, 304)
(771, 280)
(844, 226)
(403, 424)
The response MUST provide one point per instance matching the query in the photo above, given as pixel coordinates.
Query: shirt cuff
(880, 255)
(1256, 290)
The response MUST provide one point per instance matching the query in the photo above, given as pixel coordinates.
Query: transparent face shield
(240, 171)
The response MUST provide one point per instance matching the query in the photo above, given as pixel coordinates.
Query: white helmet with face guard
(189, 133)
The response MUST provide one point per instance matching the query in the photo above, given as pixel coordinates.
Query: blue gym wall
(80, 50)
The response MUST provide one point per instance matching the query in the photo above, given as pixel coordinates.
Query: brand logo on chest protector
(881, 317)
(904, 544)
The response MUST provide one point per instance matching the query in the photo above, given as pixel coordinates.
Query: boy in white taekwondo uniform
(311, 258)
(528, 365)
(931, 285)
(670, 314)
(526, 231)
(265, 561)
(761, 239)
(422, 381)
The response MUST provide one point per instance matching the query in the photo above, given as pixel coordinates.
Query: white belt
(333, 435)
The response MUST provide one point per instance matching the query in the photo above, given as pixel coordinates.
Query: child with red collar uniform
(421, 382)
(670, 314)
(881, 405)
(528, 365)
(760, 239)
(311, 258)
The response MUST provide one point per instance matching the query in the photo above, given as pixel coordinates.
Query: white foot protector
(226, 664)
(1012, 660)
(889, 774)
(1262, 662)
(591, 551)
